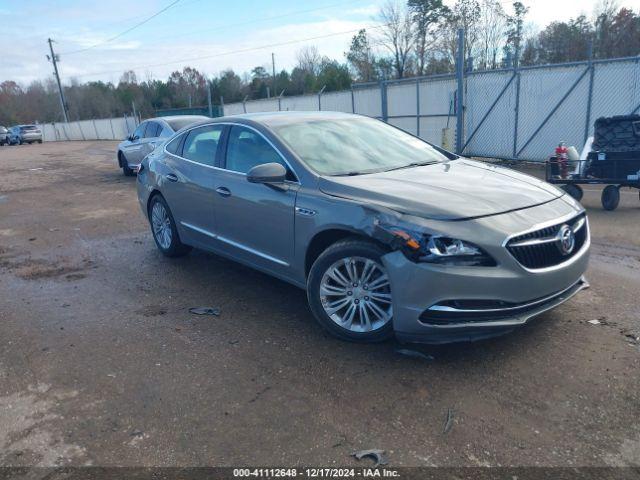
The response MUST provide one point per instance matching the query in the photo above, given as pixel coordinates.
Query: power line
(233, 52)
(126, 31)
(239, 24)
(258, 20)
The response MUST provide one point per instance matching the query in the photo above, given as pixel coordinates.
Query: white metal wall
(510, 113)
(100, 129)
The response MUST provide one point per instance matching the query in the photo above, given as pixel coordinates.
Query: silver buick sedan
(388, 234)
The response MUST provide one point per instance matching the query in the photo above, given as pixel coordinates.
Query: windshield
(355, 146)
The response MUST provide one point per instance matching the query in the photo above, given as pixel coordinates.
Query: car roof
(280, 118)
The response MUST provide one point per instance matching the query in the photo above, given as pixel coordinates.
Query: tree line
(415, 38)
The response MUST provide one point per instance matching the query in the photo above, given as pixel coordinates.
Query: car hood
(454, 190)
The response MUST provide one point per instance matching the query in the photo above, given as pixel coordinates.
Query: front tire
(349, 292)
(128, 172)
(163, 228)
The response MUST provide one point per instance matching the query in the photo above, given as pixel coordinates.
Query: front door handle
(223, 191)
(171, 177)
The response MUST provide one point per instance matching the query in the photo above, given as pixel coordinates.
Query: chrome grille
(542, 248)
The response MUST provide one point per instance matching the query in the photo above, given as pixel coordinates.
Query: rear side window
(201, 144)
(174, 145)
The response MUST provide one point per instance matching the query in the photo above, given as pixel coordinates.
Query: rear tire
(610, 197)
(366, 314)
(163, 229)
(574, 191)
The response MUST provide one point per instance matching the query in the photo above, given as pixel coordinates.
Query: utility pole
(273, 67)
(54, 59)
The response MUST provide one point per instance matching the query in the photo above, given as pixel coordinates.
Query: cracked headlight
(423, 247)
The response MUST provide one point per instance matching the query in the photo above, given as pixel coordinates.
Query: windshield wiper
(352, 173)
(411, 165)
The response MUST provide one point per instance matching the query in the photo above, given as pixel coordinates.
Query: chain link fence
(515, 113)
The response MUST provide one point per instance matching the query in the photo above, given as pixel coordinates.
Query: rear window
(179, 123)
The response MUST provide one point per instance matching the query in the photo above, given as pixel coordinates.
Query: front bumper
(478, 324)
(441, 304)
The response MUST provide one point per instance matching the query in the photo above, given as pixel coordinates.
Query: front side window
(139, 132)
(355, 145)
(247, 148)
(201, 144)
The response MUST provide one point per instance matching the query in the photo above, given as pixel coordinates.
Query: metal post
(417, 107)
(133, 106)
(279, 100)
(95, 128)
(383, 100)
(244, 103)
(222, 104)
(320, 97)
(590, 97)
(273, 67)
(353, 101)
(209, 100)
(113, 134)
(460, 91)
(80, 128)
(54, 60)
(517, 114)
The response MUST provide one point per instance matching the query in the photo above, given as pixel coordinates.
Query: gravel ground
(102, 364)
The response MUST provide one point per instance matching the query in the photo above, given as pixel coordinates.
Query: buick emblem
(566, 240)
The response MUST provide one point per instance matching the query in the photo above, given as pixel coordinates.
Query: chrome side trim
(235, 244)
(251, 250)
(199, 230)
(445, 308)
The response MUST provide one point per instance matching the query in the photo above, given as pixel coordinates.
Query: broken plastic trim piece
(377, 455)
(205, 311)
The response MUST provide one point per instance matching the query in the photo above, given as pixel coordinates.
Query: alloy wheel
(356, 294)
(161, 225)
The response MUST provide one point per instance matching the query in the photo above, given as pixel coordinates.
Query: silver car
(21, 134)
(388, 234)
(4, 135)
(147, 136)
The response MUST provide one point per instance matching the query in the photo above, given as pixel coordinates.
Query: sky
(210, 35)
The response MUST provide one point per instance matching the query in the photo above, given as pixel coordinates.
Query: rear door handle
(171, 177)
(223, 191)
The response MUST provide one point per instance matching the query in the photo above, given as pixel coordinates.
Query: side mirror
(272, 174)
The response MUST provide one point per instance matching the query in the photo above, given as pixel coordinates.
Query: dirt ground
(102, 364)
